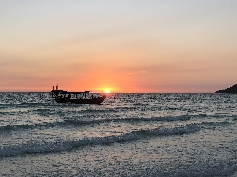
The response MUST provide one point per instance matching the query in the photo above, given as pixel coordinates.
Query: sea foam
(45, 147)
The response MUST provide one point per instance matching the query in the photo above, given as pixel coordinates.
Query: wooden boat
(85, 97)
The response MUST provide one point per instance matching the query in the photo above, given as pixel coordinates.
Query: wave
(59, 146)
(15, 127)
(30, 126)
(201, 169)
(78, 122)
(131, 119)
(213, 124)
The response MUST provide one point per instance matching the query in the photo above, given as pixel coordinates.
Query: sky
(163, 46)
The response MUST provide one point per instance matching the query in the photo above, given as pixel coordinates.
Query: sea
(129, 135)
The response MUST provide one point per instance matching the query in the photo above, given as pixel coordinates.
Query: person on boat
(69, 96)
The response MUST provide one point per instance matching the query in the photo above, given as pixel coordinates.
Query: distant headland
(232, 89)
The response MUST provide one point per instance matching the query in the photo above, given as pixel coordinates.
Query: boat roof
(66, 92)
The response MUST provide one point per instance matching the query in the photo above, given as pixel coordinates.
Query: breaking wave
(58, 146)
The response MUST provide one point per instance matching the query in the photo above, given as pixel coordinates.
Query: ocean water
(128, 135)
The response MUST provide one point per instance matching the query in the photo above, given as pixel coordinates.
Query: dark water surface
(128, 135)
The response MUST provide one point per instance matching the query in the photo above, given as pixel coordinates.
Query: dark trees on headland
(232, 89)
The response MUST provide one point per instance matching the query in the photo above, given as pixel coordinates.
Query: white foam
(46, 147)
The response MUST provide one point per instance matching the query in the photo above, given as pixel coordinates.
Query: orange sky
(124, 46)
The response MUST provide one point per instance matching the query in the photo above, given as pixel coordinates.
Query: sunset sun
(107, 91)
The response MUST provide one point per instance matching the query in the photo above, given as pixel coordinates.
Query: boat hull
(97, 100)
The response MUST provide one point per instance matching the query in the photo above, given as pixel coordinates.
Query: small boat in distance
(85, 97)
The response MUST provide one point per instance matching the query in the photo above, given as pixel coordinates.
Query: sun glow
(107, 91)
